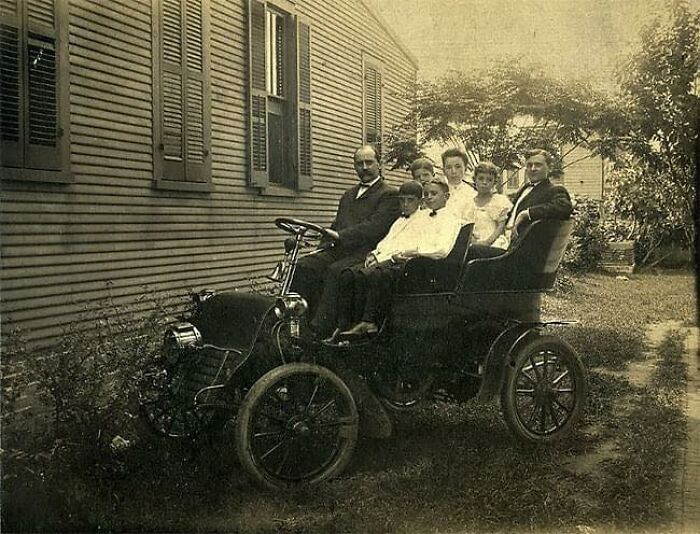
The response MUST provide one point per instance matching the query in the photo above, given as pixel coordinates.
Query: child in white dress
(491, 208)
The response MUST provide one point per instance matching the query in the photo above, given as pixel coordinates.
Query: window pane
(274, 53)
(276, 143)
(269, 50)
(42, 90)
(279, 56)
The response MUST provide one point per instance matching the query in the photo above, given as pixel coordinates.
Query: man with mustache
(365, 213)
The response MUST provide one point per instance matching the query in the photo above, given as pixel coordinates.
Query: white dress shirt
(364, 187)
(404, 235)
(427, 233)
(513, 214)
(461, 202)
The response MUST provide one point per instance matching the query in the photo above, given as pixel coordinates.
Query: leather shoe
(363, 328)
(331, 340)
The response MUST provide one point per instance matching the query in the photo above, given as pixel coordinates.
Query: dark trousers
(364, 293)
(317, 280)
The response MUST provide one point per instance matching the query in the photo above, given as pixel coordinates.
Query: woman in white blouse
(461, 201)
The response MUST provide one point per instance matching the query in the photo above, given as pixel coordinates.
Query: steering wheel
(299, 227)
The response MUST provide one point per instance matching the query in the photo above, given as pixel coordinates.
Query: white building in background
(584, 174)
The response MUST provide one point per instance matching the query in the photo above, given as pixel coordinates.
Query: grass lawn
(613, 314)
(456, 468)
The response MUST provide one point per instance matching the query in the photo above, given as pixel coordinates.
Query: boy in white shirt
(430, 233)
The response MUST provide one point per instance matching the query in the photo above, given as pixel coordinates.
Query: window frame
(24, 172)
(294, 105)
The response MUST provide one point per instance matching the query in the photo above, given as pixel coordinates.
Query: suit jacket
(545, 201)
(362, 222)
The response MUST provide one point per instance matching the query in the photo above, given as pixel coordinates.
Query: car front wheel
(296, 427)
(545, 390)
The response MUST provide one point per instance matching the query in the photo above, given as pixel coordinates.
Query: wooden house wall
(111, 231)
(584, 177)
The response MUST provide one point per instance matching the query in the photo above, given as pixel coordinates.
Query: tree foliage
(654, 182)
(499, 113)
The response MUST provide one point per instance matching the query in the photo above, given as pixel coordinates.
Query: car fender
(500, 356)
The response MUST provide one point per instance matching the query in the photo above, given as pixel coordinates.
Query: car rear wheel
(296, 427)
(402, 390)
(545, 390)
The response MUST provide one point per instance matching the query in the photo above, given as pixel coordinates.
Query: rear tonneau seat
(530, 266)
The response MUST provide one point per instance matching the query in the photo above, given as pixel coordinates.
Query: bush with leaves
(88, 384)
(587, 244)
(654, 183)
(655, 210)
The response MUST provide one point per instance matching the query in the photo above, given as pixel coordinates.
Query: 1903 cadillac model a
(463, 328)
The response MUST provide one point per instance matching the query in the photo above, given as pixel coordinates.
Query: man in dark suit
(365, 213)
(538, 198)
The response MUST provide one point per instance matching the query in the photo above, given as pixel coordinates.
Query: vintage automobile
(457, 328)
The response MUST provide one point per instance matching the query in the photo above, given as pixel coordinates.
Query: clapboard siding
(585, 174)
(110, 232)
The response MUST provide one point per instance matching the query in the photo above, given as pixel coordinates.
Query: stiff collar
(367, 186)
(362, 188)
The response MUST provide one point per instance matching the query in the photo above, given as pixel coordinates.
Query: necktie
(433, 213)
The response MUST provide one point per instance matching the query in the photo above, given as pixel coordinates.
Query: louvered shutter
(257, 95)
(11, 88)
(42, 147)
(305, 167)
(197, 130)
(172, 92)
(373, 106)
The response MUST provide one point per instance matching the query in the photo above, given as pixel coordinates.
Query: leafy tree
(654, 183)
(500, 112)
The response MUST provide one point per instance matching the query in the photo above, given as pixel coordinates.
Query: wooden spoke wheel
(296, 427)
(167, 405)
(545, 390)
(403, 386)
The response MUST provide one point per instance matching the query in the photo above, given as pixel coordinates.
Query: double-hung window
(279, 97)
(181, 95)
(34, 114)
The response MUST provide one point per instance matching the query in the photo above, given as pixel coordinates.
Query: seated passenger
(430, 233)
(461, 202)
(491, 213)
(422, 170)
(538, 198)
(365, 213)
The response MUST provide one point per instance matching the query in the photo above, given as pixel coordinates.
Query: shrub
(660, 214)
(585, 250)
(88, 384)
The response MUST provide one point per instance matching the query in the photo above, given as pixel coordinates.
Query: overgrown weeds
(86, 388)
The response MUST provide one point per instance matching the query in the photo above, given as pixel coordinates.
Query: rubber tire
(508, 391)
(247, 411)
(396, 407)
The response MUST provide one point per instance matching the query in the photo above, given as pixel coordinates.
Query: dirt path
(689, 506)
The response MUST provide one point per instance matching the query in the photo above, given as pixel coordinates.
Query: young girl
(491, 209)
